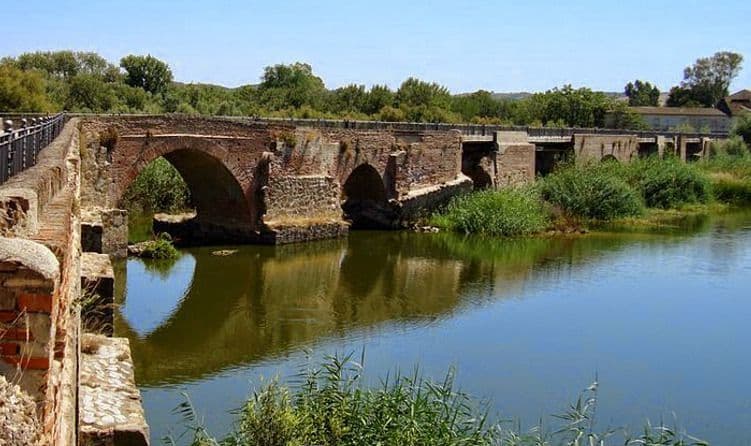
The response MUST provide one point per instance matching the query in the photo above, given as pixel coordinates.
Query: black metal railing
(20, 143)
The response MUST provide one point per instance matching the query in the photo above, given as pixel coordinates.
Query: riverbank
(577, 198)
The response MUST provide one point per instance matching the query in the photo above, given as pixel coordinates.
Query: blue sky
(523, 45)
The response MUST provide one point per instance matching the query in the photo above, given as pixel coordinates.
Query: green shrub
(593, 191)
(733, 146)
(723, 163)
(506, 212)
(160, 249)
(729, 189)
(668, 183)
(158, 188)
(742, 127)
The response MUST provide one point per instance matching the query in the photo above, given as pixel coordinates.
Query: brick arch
(365, 199)
(222, 189)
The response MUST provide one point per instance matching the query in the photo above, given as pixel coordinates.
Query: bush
(507, 212)
(733, 146)
(668, 183)
(742, 127)
(158, 188)
(723, 163)
(729, 189)
(591, 191)
(160, 249)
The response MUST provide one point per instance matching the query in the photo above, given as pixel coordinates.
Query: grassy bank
(329, 405)
(650, 191)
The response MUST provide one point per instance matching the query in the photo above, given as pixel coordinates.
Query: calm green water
(662, 319)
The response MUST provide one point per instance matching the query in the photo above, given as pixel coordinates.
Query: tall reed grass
(329, 405)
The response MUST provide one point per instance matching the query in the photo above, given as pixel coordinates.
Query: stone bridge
(274, 182)
(269, 181)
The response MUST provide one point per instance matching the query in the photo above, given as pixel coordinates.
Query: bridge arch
(221, 194)
(364, 198)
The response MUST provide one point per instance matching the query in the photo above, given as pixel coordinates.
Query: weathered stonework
(110, 403)
(623, 148)
(41, 282)
(105, 231)
(515, 159)
(248, 179)
(98, 288)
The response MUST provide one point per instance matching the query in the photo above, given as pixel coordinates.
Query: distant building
(671, 118)
(736, 103)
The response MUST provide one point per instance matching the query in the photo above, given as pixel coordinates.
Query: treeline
(86, 82)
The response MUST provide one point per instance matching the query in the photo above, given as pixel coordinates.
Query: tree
(580, 107)
(292, 85)
(349, 98)
(707, 81)
(22, 91)
(146, 72)
(642, 94)
(478, 104)
(90, 93)
(378, 97)
(414, 92)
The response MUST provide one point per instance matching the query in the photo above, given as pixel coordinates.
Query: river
(661, 318)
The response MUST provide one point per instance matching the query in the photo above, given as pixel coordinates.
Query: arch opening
(609, 159)
(364, 200)
(216, 207)
(477, 164)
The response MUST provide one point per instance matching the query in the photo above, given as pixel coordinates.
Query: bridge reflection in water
(218, 312)
(218, 323)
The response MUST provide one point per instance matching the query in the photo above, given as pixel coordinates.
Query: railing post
(8, 159)
(24, 143)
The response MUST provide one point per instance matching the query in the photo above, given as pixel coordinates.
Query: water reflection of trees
(264, 301)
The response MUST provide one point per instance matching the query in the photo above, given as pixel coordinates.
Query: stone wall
(302, 198)
(248, 176)
(421, 202)
(597, 147)
(23, 196)
(515, 160)
(41, 264)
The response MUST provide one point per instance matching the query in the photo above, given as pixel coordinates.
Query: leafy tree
(292, 85)
(621, 117)
(707, 81)
(349, 98)
(414, 92)
(91, 94)
(146, 72)
(580, 107)
(378, 97)
(22, 91)
(642, 94)
(66, 64)
(477, 104)
(681, 97)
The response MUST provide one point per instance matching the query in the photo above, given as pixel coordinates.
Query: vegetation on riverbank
(524, 213)
(649, 191)
(329, 405)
